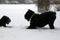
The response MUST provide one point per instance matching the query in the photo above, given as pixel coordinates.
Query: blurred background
(17, 1)
(28, 1)
(43, 5)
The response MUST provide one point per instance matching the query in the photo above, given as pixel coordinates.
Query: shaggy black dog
(4, 20)
(40, 20)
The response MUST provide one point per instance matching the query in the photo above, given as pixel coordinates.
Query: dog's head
(5, 20)
(29, 14)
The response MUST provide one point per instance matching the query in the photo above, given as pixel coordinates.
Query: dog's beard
(27, 19)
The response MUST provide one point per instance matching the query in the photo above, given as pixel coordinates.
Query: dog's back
(49, 13)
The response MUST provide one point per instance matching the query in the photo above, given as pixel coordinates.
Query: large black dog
(40, 20)
(4, 20)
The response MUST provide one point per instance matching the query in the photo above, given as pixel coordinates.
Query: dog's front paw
(31, 28)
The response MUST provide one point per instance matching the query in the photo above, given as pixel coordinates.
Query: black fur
(40, 20)
(4, 20)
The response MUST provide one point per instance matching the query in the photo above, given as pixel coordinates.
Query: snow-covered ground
(18, 24)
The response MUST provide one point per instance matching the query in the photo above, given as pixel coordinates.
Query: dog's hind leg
(51, 24)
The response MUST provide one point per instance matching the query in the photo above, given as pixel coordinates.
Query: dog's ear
(29, 10)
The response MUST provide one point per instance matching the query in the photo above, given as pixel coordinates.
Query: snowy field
(18, 24)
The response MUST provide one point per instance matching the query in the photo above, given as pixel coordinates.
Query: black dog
(40, 20)
(4, 20)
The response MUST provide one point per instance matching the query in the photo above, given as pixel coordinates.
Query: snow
(18, 24)
(26, 34)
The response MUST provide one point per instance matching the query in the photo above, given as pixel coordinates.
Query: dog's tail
(52, 13)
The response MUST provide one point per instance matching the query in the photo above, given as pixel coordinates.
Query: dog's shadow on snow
(46, 28)
(7, 26)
